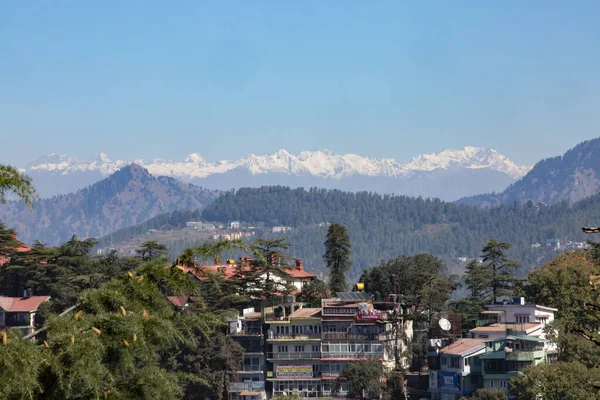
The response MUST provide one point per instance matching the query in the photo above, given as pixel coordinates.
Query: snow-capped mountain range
(321, 163)
(309, 168)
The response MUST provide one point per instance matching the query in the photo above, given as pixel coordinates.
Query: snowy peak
(318, 163)
(469, 157)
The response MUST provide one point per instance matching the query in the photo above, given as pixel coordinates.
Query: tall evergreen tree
(150, 249)
(337, 257)
(502, 278)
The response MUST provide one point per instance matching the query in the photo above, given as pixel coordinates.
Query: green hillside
(385, 226)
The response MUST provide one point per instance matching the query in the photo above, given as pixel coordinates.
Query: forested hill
(387, 226)
(127, 197)
(571, 177)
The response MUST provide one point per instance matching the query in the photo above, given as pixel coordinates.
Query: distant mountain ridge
(571, 177)
(129, 196)
(449, 174)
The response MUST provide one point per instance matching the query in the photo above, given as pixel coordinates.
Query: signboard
(294, 371)
(369, 314)
(433, 379)
(448, 380)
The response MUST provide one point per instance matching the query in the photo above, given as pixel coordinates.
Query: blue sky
(224, 79)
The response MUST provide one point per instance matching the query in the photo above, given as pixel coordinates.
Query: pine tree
(151, 249)
(502, 279)
(337, 257)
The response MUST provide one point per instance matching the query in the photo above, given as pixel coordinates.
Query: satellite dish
(445, 324)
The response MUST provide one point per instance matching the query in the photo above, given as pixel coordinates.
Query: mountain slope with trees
(571, 177)
(383, 227)
(127, 197)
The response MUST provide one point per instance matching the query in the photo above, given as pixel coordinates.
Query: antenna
(445, 324)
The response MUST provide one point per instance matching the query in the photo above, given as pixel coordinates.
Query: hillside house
(19, 312)
(298, 277)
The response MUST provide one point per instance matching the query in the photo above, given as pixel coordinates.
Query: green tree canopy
(337, 257)
(487, 394)
(151, 249)
(364, 379)
(502, 278)
(313, 292)
(558, 381)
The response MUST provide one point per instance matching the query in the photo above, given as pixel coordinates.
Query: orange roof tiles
(463, 347)
(306, 313)
(22, 304)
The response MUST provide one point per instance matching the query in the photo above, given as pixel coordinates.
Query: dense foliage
(364, 379)
(381, 227)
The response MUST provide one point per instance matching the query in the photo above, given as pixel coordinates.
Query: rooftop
(463, 347)
(22, 304)
(306, 313)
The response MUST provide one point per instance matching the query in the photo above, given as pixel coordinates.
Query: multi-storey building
(249, 382)
(294, 352)
(505, 357)
(455, 370)
(510, 336)
(307, 348)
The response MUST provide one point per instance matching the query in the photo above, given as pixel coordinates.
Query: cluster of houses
(509, 337)
(291, 349)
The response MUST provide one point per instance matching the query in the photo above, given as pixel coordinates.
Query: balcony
(351, 355)
(524, 355)
(295, 337)
(350, 336)
(247, 332)
(251, 368)
(295, 356)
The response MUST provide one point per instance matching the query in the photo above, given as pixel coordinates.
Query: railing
(248, 332)
(294, 356)
(330, 374)
(329, 354)
(294, 336)
(272, 317)
(251, 368)
(349, 336)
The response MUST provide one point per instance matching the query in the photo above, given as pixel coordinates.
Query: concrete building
(249, 382)
(455, 370)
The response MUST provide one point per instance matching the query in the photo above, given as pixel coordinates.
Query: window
(522, 319)
(454, 362)
(444, 360)
(503, 384)
(491, 384)
(316, 347)
(283, 349)
(299, 348)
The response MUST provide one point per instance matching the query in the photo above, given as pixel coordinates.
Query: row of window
(299, 348)
(298, 329)
(358, 347)
(331, 310)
